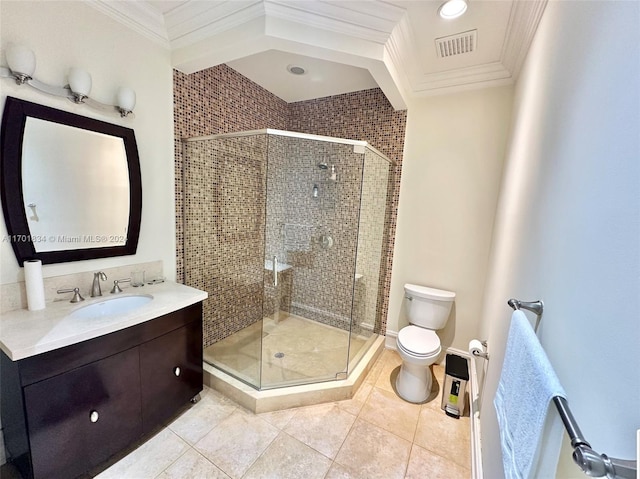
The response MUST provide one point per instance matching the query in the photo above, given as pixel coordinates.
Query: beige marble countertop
(26, 333)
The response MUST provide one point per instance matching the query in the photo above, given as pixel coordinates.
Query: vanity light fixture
(22, 64)
(452, 9)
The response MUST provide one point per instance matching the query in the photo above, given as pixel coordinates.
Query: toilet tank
(428, 307)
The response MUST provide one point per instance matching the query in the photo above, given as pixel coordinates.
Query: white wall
(66, 34)
(568, 222)
(453, 158)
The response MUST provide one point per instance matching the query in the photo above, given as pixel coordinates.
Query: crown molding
(138, 16)
(223, 18)
(348, 18)
(523, 23)
(374, 34)
(485, 74)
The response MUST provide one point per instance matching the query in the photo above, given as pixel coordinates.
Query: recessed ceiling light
(452, 9)
(296, 70)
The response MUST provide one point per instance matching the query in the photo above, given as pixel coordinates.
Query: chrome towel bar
(591, 463)
(536, 307)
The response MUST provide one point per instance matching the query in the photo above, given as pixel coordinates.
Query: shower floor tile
(293, 350)
(334, 440)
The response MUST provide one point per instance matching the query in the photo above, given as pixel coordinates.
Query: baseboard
(474, 402)
(390, 341)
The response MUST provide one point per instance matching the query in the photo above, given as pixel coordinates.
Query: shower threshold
(292, 396)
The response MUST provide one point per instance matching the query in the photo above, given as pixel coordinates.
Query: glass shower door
(311, 234)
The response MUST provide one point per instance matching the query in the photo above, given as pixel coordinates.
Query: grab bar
(536, 307)
(591, 463)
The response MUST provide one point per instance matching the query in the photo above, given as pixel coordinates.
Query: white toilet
(418, 344)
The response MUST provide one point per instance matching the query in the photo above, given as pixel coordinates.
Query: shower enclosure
(285, 231)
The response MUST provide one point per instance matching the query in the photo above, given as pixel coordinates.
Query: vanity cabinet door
(171, 373)
(80, 418)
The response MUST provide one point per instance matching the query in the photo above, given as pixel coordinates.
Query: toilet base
(413, 383)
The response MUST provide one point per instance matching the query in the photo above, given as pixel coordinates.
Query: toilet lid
(419, 341)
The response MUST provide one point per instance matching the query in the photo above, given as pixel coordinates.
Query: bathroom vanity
(75, 391)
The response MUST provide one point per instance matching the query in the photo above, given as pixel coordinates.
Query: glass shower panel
(371, 230)
(312, 207)
(224, 195)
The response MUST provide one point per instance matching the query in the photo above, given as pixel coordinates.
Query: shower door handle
(275, 271)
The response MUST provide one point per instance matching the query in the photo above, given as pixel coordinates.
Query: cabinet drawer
(80, 418)
(171, 373)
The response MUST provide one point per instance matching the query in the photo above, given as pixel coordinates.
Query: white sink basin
(112, 306)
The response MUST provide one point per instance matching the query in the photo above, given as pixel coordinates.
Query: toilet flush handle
(408, 297)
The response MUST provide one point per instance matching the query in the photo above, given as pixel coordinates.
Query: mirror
(71, 186)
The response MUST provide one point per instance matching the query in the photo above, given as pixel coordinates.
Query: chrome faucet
(95, 288)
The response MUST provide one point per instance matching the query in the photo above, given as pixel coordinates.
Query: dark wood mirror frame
(14, 119)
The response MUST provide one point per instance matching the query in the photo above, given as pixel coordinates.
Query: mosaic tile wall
(220, 100)
(365, 115)
(224, 224)
(217, 100)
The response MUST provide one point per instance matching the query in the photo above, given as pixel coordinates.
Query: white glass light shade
(79, 81)
(126, 99)
(452, 9)
(20, 59)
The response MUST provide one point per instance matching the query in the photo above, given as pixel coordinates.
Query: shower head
(323, 166)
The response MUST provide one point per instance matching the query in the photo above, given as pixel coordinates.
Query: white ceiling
(345, 45)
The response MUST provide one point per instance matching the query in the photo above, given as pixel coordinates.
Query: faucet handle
(116, 285)
(76, 294)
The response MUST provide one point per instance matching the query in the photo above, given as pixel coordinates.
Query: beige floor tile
(150, 459)
(288, 458)
(387, 378)
(424, 464)
(203, 416)
(336, 471)
(356, 403)
(235, 443)
(192, 465)
(370, 452)
(445, 436)
(387, 410)
(323, 427)
(278, 419)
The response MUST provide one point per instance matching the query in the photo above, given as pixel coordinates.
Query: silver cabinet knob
(176, 371)
(94, 416)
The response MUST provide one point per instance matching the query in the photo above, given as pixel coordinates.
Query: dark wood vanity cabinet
(68, 410)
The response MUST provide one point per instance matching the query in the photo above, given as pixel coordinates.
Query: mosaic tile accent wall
(224, 239)
(217, 100)
(365, 115)
(220, 100)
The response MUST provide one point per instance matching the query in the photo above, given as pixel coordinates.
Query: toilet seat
(418, 342)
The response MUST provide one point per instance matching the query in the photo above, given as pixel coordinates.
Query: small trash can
(456, 376)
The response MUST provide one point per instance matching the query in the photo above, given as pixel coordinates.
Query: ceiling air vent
(457, 44)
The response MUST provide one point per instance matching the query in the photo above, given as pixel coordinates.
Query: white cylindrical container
(34, 284)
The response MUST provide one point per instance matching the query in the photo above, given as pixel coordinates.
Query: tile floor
(373, 435)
